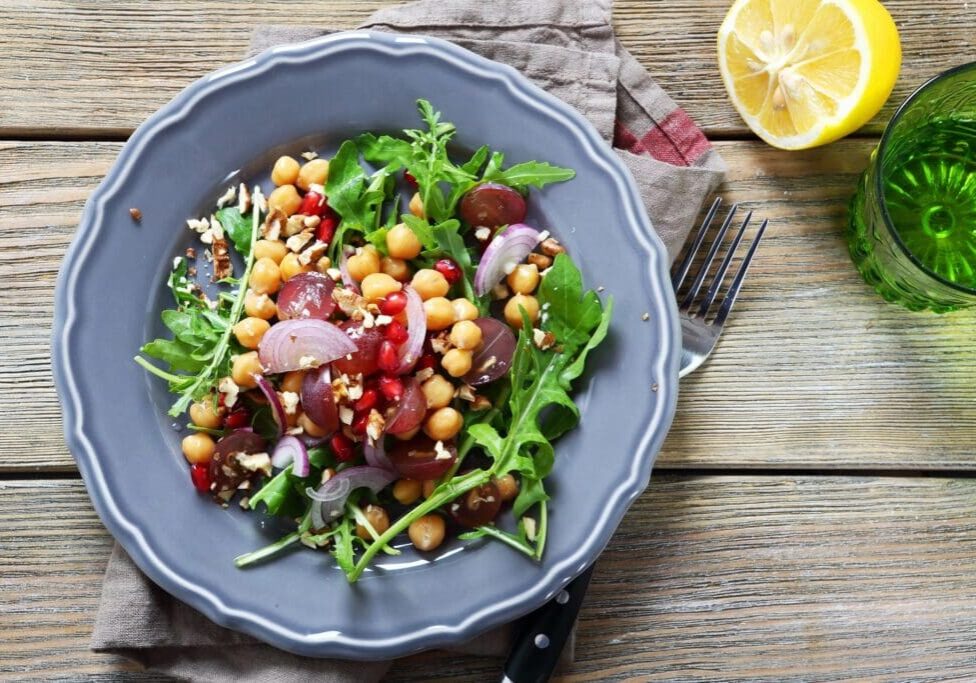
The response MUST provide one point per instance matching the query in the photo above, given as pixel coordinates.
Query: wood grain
(90, 68)
(709, 578)
(814, 371)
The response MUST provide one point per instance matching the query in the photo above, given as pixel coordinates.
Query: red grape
(418, 458)
(224, 470)
(477, 507)
(367, 340)
(409, 411)
(494, 357)
(318, 401)
(306, 295)
(491, 205)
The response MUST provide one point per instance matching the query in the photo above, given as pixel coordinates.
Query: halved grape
(495, 355)
(306, 295)
(491, 205)
(318, 401)
(225, 472)
(477, 507)
(419, 458)
(409, 411)
(367, 341)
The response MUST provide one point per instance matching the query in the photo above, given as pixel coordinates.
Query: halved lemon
(804, 73)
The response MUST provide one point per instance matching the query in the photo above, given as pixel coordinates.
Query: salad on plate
(364, 371)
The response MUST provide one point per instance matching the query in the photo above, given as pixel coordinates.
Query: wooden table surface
(813, 513)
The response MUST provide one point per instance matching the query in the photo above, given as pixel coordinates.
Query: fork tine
(707, 263)
(679, 275)
(723, 269)
(733, 292)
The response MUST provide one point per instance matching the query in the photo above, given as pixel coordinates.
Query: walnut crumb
(551, 246)
(480, 403)
(646, 317)
(543, 340)
(136, 214)
(540, 261)
(309, 155)
(191, 252)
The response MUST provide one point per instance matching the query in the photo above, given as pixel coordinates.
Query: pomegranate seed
(200, 475)
(368, 400)
(396, 332)
(359, 423)
(393, 303)
(428, 360)
(449, 269)
(411, 181)
(237, 418)
(312, 204)
(391, 388)
(326, 229)
(342, 447)
(387, 358)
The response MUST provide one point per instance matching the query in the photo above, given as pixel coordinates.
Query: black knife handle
(539, 644)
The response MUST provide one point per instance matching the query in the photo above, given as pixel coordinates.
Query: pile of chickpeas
(378, 277)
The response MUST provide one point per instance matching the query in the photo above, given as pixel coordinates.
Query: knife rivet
(542, 641)
(562, 598)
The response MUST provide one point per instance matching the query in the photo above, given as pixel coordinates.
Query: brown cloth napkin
(567, 48)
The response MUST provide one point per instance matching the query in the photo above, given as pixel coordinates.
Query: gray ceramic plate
(110, 292)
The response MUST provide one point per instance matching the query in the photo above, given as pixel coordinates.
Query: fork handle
(539, 644)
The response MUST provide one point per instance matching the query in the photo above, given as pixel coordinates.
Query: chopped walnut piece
(221, 256)
(297, 242)
(441, 343)
(243, 199)
(313, 252)
(480, 403)
(543, 340)
(273, 225)
(374, 425)
(293, 225)
(424, 374)
(482, 234)
(551, 246)
(136, 214)
(191, 252)
(227, 197)
(309, 155)
(465, 392)
(540, 261)
(311, 221)
(349, 302)
(259, 200)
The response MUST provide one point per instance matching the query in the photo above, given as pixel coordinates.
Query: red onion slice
(376, 454)
(306, 295)
(508, 249)
(318, 401)
(332, 494)
(411, 349)
(344, 270)
(302, 344)
(277, 410)
(494, 357)
(291, 451)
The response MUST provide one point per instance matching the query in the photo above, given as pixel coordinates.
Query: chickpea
(250, 330)
(203, 413)
(407, 491)
(428, 487)
(429, 283)
(377, 517)
(314, 172)
(265, 276)
(272, 249)
(402, 242)
(244, 368)
(427, 532)
(292, 381)
(259, 305)
(464, 309)
(285, 198)
(438, 391)
(524, 279)
(457, 362)
(440, 313)
(198, 448)
(396, 268)
(466, 335)
(377, 285)
(291, 266)
(417, 206)
(443, 424)
(364, 262)
(311, 428)
(285, 171)
(513, 316)
(508, 487)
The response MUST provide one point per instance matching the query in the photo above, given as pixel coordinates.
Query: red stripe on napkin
(675, 140)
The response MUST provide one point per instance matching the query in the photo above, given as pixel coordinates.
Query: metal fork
(699, 333)
(543, 633)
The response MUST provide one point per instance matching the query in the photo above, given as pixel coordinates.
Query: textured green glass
(912, 228)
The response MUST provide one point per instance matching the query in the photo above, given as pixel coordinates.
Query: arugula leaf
(384, 149)
(238, 227)
(281, 494)
(527, 174)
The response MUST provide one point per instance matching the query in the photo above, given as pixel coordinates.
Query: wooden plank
(709, 578)
(87, 68)
(815, 371)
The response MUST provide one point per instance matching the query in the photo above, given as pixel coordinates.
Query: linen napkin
(568, 48)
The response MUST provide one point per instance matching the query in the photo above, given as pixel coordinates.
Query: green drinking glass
(912, 227)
